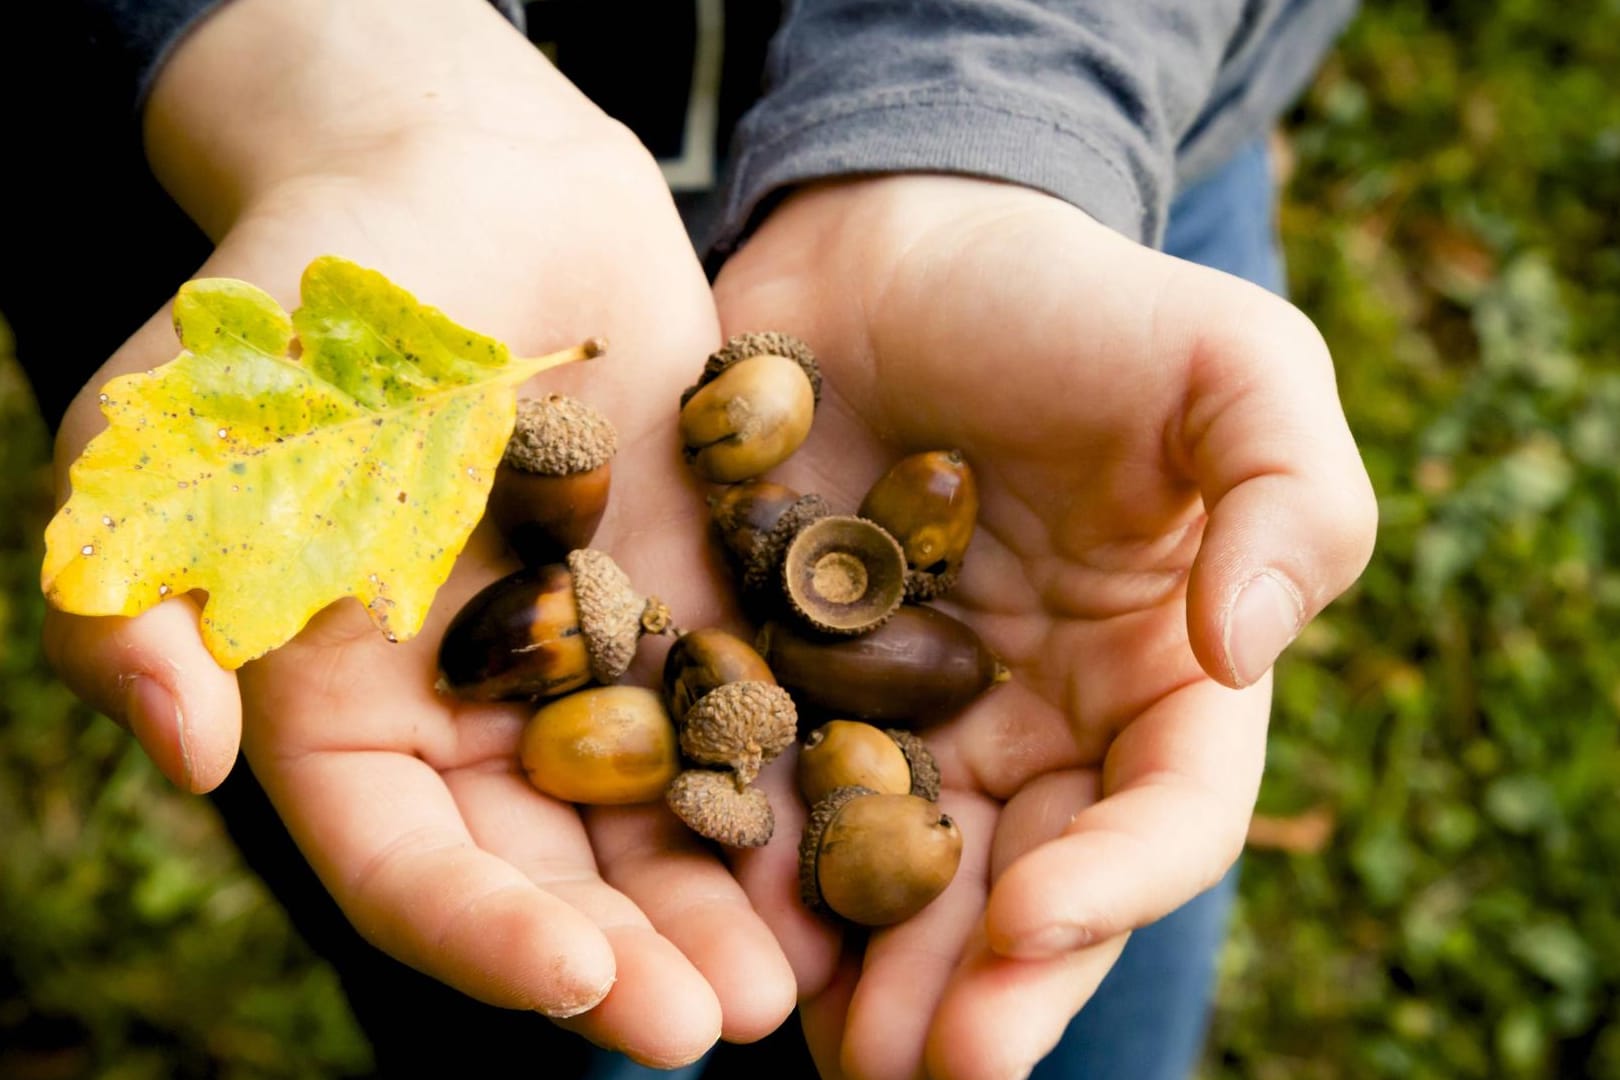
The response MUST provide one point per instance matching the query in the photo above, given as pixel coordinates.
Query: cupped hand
(412, 807)
(1169, 492)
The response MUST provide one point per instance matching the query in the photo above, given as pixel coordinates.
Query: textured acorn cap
(559, 436)
(924, 769)
(612, 616)
(821, 815)
(763, 567)
(844, 574)
(740, 724)
(714, 806)
(760, 343)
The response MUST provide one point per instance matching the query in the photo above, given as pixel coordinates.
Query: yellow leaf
(278, 480)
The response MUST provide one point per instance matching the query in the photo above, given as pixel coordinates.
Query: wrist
(231, 117)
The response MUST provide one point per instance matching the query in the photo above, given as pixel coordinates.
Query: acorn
(606, 745)
(918, 667)
(545, 631)
(704, 660)
(843, 575)
(848, 753)
(741, 725)
(551, 487)
(755, 519)
(929, 502)
(876, 859)
(751, 408)
(713, 805)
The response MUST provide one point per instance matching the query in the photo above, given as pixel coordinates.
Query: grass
(1430, 892)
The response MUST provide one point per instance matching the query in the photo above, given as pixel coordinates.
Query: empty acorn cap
(559, 436)
(612, 615)
(740, 724)
(759, 343)
(844, 575)
(714, 806)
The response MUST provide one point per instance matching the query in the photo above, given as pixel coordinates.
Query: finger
(824, 1013)
(152, 675)
(908, 965)
(387, 839)
(1180, 786)
(661, 1011)
(693, 900)
(1292, 515)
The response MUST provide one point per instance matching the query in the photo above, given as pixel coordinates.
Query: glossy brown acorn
(919, 667)
(755, 521)
(607, 745)
(704, 660)
(876, 859)
(849, 753)
(518, 638)
(930, 503)
(551, 487)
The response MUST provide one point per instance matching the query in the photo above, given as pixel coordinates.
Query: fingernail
(1054, 940)
(1265, 617)
(155, 720)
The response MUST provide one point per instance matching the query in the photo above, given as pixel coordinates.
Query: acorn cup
(876, 859)
(929, 502)
(751, 408)
(551, 487)
(843, 575)
(545, 631)
(917, 668)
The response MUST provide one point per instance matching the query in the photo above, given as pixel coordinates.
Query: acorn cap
(763, 568)
(924, 769)
(821, 815)
(844, 575)
(923, 586)
(612, 616)
(559, 436)
(740, 724)
(760, 343)
(714, 806)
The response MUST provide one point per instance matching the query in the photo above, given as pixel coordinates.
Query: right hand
(524, 213)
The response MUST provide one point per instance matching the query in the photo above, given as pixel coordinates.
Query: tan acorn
(713, 805)
(741, 725)
(918, 667)
(848, 753)
(545, 631)
(876, 859)
(551, 487)
(929, 502)
(605, 745)
(843, 575)
(751, 408)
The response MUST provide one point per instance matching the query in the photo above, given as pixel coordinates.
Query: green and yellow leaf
(280, 463)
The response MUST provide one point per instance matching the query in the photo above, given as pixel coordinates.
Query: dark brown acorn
(545, 631)
(704, 660)
(876, 859)
(751, 408)
(919, 667)
(755, 521)
(929, 502)
(551, 487)
(843, 575)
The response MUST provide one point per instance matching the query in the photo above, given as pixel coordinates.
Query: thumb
(152, 675)
(1292, 515)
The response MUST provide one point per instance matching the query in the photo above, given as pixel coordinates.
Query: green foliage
(1454, 227)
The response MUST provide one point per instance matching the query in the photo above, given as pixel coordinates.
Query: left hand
(1169, 492)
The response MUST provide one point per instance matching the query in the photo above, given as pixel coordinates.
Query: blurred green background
(1431, 887)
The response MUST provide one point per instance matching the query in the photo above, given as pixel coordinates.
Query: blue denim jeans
(1148, 1018)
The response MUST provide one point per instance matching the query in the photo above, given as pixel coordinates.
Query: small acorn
(741, 725)
(876, 859)
(929, 502)
(545, 631)
(918, 667)
(848, 753)
(551, 487)
(713, 805)
(755, 519)
(605, 745)
(706, 659)
(751, 408)
(843, 575)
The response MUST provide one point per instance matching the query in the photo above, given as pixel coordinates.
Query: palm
(411, 806)
(1081, 377)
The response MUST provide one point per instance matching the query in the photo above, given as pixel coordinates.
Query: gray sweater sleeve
(1107, 104)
